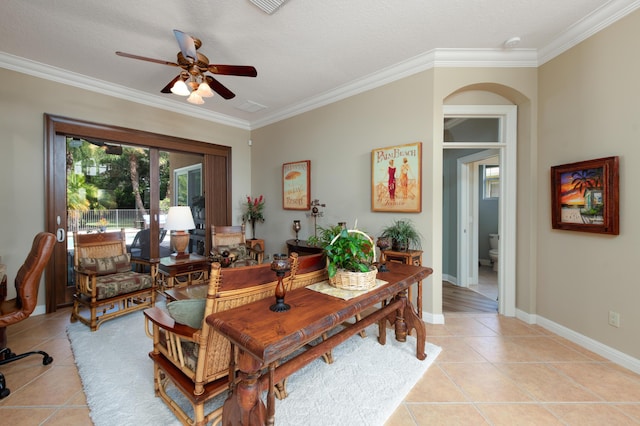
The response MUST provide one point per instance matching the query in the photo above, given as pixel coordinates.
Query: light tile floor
(492, 371)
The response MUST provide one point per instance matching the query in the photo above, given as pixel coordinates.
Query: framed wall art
(585, 196)
(396, 178)
(296, 182)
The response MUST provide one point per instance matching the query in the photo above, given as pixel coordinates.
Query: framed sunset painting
(585, 196)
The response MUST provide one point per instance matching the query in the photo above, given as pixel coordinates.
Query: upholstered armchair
(229, 247)
(106, 285)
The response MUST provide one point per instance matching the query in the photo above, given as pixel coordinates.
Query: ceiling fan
(192, 80)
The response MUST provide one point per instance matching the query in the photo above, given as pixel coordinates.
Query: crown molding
(601, 18)
(70, 78)
(496, 58)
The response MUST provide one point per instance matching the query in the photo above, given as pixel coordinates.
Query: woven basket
(348, 280)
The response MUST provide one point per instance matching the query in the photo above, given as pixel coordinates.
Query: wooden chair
(21, 307)
(196, 361)
(106, 286)
(233, 240)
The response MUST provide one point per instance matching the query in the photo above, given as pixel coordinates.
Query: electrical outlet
(614, 319)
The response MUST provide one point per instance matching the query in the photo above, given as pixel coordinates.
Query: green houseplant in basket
(403, 235)
(350, 255)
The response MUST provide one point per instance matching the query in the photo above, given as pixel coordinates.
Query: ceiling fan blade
(143, 58)
(167, 88)
(240, 70)
(187, 45)
(219, 88)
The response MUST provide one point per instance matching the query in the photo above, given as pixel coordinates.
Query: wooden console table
(263, 344)
(409, 257)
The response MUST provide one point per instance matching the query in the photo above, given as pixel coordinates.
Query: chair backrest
(142, 241)
(227, 235)
(98, 245)
(230, 288)
(28, 278)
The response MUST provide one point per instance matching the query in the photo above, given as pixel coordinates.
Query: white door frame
(468, 206)
(507, 146)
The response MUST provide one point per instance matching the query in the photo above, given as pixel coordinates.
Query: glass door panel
(187, 189)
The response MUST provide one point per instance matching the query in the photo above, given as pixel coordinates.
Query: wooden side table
(182, 272)
(410, 257)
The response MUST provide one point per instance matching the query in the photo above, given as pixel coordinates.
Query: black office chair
(20, 308)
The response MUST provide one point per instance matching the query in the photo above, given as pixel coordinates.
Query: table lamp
(179, 220)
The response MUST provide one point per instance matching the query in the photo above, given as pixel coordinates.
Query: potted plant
(254, 212)
(403, 235)
(350, 255)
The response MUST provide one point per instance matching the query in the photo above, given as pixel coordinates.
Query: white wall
(589, 105)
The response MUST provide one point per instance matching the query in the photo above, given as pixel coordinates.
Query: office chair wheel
(6, 353)
(4, 392)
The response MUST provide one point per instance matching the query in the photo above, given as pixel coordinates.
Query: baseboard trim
(450, 278)
(39, 310)
(599, 348)
(432, 318)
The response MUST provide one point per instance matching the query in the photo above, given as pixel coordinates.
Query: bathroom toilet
(493, 252)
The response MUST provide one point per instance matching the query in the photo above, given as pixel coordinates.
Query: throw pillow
(188, 312)
(105, 265)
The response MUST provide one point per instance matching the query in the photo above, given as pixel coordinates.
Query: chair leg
(10, 357)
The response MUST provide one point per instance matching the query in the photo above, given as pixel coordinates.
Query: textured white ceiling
(307, 53)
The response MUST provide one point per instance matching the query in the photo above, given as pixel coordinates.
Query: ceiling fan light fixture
(195, 98)
(204, 90)
(180, 88)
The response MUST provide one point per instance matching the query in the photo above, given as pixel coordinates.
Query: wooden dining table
(263, 338)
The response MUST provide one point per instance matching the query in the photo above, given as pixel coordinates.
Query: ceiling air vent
(269, 6)
(250, 106)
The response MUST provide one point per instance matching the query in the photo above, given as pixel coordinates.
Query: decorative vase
(253, 229)
(280, 265)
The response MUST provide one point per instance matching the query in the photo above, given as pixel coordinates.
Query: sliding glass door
(102, 178)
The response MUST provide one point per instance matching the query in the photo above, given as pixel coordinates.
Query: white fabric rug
(363, 386)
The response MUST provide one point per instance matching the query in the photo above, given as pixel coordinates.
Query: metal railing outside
(102, 220)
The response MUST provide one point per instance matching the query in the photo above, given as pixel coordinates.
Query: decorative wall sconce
(315, 213)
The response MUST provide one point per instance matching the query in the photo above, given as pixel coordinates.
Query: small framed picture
(396, 178)
(585, 196)
(296, 182)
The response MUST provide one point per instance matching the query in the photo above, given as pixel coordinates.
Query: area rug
(363, 386)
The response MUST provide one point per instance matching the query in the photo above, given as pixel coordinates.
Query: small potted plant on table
(403, 235)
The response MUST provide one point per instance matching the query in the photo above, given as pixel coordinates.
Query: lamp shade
(179, 218)
(195, 98)
(180, 88)
(204, 90)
